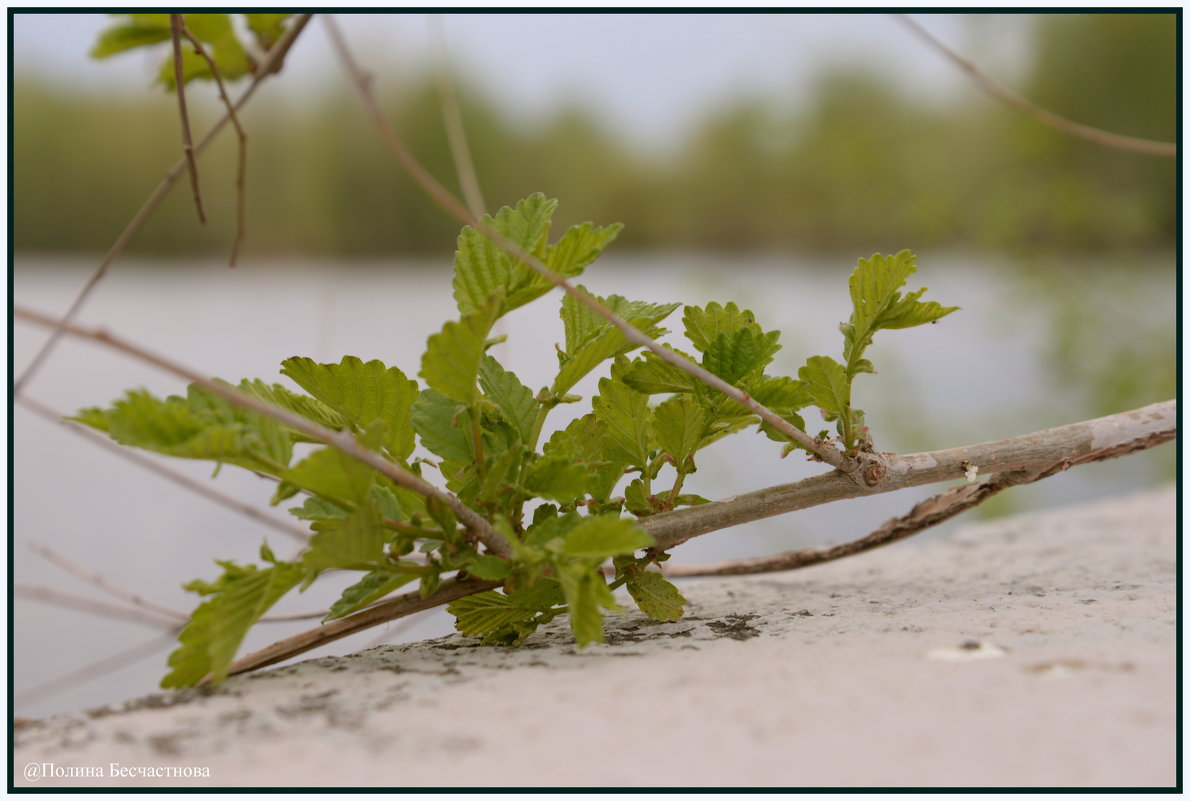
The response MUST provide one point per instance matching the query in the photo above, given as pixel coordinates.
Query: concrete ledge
(1038, 651)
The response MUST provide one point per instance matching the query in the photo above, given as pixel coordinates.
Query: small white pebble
(966, 652)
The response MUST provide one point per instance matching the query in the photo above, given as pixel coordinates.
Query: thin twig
(82, 603)
(97, 580)
(363, 85)
(94, 670)
(1133, 144)
(1017, 460)
(341, 441)
(273, 60)
(242, 152)
(166, 472)
(175, 32)
(452, 119)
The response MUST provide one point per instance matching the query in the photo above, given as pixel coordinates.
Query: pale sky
(647, 75)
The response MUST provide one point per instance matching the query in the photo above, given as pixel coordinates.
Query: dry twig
(175, 32)
(242, 150)
(452, 120)
(1133, 144)
(272, 62)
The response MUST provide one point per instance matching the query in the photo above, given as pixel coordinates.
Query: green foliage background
(859, 166)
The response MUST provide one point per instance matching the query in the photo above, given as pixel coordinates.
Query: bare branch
(924, 515)
(1133, 144)
(94, 670)
(97, 580)
(81, 603)
(165, 471)
(1078, 443)
(341, 441)
(401, 606)
(273, 60)
(452, 119)
(453, 206)
(242, 151)
(175, 31)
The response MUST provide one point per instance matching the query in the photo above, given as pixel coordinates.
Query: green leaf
(484, 270)
(485, 613)
(318, 509)
(703, 326)
(362, 392)
(655, 596)
(312, 409)
(605, 536)
(558, 479)
(199, 426)
(515, 400)
(137, 30)
(591, 340)
(679, 425)
(652, 376)
(224, 48)
(368, 590)
(451, 362)
(635, 499)
(626, 414)
(442, 425)
(208, 643)
(585, 592)
(741, 353)
(488, 568)
(356, 542)
(568, 257)
(582, 442)
(331, 474)
(267, 28)
(828, 384)
(877, 304)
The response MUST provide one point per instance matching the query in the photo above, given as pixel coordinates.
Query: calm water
(980, 374)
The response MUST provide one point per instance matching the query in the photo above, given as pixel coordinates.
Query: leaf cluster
(217, 32)
(473, 425)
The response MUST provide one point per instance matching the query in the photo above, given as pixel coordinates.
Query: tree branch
(341, 441)
(452, 205)
(242, 150)
(1077, 443)
(175, 32)
(1093, 440)
(1098, 136)
(272, 62)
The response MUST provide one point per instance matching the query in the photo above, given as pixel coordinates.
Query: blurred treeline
(861, 167)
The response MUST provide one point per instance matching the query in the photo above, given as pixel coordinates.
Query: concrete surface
(1036, 651)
